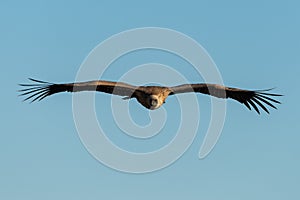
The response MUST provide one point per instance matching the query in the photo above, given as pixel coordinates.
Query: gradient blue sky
(254, 44)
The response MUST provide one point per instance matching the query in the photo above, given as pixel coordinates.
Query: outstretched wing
(40, 89)
(258, 98)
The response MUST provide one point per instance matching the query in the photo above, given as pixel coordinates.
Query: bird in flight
(151, 97)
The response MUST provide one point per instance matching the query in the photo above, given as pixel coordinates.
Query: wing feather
(41, 89)
(260, 104)
(247, 97)
(247, 105)
(254, 106)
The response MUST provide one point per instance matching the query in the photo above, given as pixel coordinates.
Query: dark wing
(40, 89)
(258, 98)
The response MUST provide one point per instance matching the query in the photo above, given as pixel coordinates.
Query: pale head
(154, 102)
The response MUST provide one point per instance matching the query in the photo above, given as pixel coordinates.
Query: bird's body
(151, 97)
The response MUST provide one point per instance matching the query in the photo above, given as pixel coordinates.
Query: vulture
(151, 97)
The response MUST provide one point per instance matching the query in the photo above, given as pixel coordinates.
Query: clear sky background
(255, 45)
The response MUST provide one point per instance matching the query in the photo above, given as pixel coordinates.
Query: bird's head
(154, 102)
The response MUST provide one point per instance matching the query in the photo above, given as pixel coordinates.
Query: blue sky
(254, 44)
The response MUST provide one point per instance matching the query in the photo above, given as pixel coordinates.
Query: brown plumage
(151, 97)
